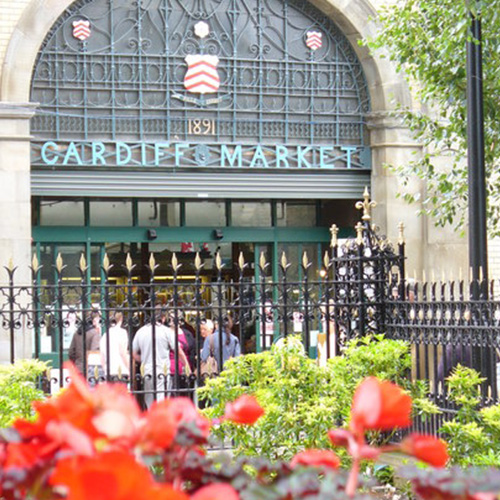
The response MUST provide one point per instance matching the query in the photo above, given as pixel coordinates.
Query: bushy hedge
(303, 400)
(19, 388)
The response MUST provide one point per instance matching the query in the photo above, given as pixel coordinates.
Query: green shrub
(473, 436)
(18, 389)
(302, 400)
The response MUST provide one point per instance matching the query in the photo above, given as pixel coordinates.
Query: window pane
(158, 213)
(61, 213)
(110, 213)
(296, 214)
(206, 213)
(251, 214)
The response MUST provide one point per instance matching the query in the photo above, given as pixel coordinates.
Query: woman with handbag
(212, 345)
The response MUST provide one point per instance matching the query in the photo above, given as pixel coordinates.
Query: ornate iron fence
(449, 323)
(349, 299)
(362, 289)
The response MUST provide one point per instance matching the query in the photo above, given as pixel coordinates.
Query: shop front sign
(184, 154)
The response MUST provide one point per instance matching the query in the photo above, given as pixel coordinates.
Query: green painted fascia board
(65, 234)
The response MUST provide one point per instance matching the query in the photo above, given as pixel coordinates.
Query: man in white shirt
(142, 350)
(118, 349)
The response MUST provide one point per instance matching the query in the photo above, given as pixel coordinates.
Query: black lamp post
(478, 252)
(483, 359)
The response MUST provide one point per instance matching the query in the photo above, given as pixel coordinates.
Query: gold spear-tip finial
(197, 261)
(241, 261)
(366, 205)
(334, 230)
(35, 265)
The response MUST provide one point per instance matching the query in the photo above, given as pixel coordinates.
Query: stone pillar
(436, 251)
(392, 144)
(15, 220)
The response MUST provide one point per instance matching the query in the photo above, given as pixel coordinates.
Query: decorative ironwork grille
(119, 76)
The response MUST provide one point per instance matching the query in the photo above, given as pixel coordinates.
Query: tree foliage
(427, 41)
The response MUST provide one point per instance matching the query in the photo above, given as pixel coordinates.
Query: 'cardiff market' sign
(180, 154)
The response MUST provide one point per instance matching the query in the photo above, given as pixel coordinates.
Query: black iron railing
(361, 290)
(348, 300)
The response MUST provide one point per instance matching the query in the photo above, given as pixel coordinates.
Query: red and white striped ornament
(201, 76)
(314, 39)
(81, 29)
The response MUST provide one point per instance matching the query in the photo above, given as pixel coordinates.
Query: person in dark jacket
(77, 350)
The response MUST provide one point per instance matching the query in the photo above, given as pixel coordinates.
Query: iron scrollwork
(119, 78)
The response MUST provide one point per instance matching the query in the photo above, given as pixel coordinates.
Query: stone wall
(10, 13)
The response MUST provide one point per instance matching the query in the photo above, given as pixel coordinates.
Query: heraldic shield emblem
(313, 40)
(202, 76)
(81, 29)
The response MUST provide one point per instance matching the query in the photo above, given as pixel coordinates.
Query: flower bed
(95, 443)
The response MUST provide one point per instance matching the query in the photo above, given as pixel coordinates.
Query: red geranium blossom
(244, 410)
(108, 410)
(379, 405)
(159, 426)
(37, 449)
(73, 421)
(184, 410)
(216, 491)
(70, 405)
(316, 458)
(429, 449)
(110, 476)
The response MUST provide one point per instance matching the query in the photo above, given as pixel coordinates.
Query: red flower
(316, 458)
(72, 405)
(184, 410)
(244, 410)
(160, 424)
(26, 455)
(379, 405)
(109, 410)
(216, 491)
(58, 436)
(158, 428)
(116, 414)
(429, 449)
(110, 476)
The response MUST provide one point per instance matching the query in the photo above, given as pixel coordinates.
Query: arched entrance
(281, 147)
(231, 122)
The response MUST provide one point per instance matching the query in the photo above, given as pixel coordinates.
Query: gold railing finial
(401, 237)
(359, 232)
(334, 230)
(366, 205)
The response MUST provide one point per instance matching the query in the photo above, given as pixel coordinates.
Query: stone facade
(23, 26)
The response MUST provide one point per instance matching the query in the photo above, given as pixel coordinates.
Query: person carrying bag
(210, 367)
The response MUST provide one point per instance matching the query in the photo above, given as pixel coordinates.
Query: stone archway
(352, 17)
(389, 140)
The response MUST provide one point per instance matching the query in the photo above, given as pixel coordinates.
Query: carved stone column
(15, 216)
